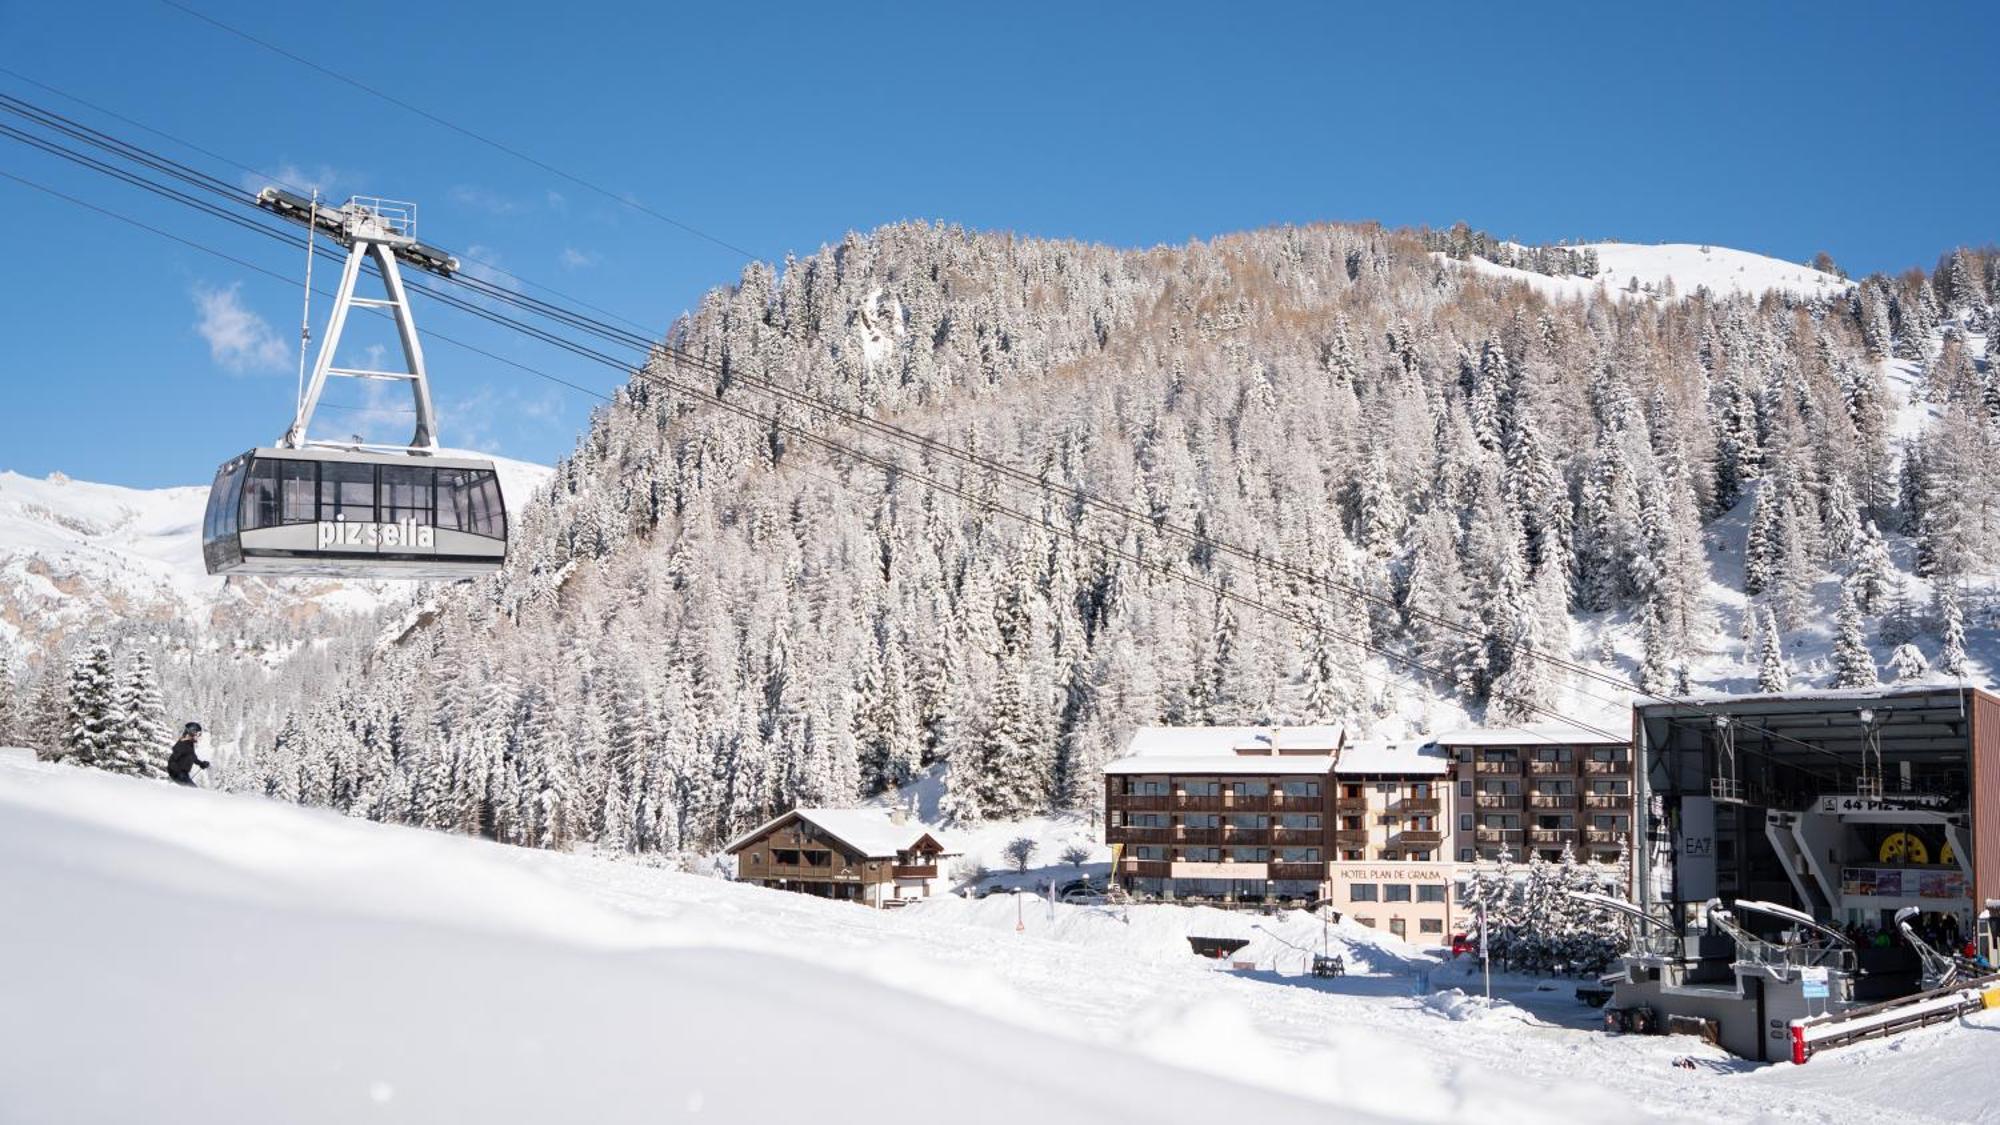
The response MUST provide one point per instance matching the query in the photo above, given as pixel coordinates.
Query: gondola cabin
(333, 513)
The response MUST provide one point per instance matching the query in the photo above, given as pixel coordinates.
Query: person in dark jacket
(181, 763)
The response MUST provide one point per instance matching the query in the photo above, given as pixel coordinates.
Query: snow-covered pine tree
(1952, 659)
(91, 716)
(1908, 662)
(1853, 665)
(12, 729)
(142, 740)
(1772, 674)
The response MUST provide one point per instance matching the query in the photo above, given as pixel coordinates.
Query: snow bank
(1719, 269)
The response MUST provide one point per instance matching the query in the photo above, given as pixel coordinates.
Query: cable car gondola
(308, 508)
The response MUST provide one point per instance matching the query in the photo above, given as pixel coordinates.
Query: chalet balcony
(1138, 803)
(1619, 768)
(1620, 801)
(1146, 868)
(1255, 802)
(805, 872)
(1500, 769)
(1315, 872)
(1552, 835)
(1558, 768)
(1497, 835)
(1419, 838)
(1350, 804)
(916, 871)
(1419, 806)
(1125, 834)
(1297, 835)
(1498, 800)
(1198, 804)
(1552, 800)
(1197, 836)
(1350, 838)
(1246, 835)
(1605, 835)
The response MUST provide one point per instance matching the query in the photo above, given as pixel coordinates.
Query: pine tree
(1908, 662)
(142, 739)
(92, 718)
(1952, 658)
(12, 732)
(1853, 666)
(1772, 674)
(1872, 567)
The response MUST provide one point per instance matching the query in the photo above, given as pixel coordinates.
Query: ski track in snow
(266, 962)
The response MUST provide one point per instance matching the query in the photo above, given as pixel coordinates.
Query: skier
(181, 763)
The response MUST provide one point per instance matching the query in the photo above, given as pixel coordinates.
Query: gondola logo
(335, 534)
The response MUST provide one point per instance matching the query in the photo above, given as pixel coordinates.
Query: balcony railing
(1350, 804)
(1152, 802)
(1198, 835)
(1607, 801)
(1420, 837)
(803, 871)
(1605, 835)
(1198, 804)
(1498, 800)
(916, 871)
(1350, 837)
(1552, 800)
(1505, 769)
(1419, 805)
(1147, 868)
(1126, 834)
(1538, 766)
(1552, 835)
(1497, 835)
(1619, 767)
(1297, 835)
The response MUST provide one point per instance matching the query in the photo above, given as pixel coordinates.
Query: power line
(268, 178)
(427, 115)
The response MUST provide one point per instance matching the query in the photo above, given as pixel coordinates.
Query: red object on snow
(1461, 943)
(1798, 1043)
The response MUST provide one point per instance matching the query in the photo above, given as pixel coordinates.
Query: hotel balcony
(1498, 800)
(1419, 806)
(1497, 835)
(1552, 835)
(1503, 769)
(916, 871)
(1350, 838)
(1315, 872)
(1552, 800)
(1619, 768)
(1419, 838)
(1558, 768)
(1620, 801)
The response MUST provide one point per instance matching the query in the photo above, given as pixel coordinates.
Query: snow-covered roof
(874, 833)
(1530, 734)
(1816, 695)
(1408, 756)
(1260, 765)
(1232, 750)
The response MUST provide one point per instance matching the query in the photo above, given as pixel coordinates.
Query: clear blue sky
(1862, 130)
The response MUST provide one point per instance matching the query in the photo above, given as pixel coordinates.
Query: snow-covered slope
(1719, 269)
(211, 958)
(74, 555)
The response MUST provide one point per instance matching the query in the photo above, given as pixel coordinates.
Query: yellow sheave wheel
(1946, 855)
(1902, 847)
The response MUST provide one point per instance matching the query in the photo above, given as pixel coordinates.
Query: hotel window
(1256, 788)
(1398, 927)
(1368, 922)
(1351, 792)
(1250, 855)
(1201, 855)
(1304, 822)
(1421, 791)
(1352, 824)
(1143, 788)
(1301, 788)
(1609, 787)
(1395, 892)
(1552, 754)
(1149, 851)
(1607, 754)
(1556, 787)
(1465, 787)
(1465, 855)
(1430, 892)
(1430, 925)
(1465, 822)
(1149, 820)
(1351, 855)
(1421, 855)
(1201, 788)
(1201, 820)
(1564, 821)
(1363, 892)
(1245, 822)
(1298, 855)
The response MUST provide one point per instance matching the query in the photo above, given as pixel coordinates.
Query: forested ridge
(705, 619)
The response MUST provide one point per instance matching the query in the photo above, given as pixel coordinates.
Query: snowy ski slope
(1721, 270)
(201, 957)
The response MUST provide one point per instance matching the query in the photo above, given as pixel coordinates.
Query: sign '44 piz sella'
(356, 509)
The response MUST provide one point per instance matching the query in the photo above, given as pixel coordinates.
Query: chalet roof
(871, 832)
(1382, 757)
(1530, 734)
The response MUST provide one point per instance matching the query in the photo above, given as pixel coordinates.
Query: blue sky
(1860, 130)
